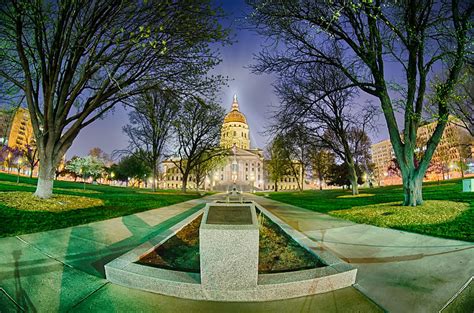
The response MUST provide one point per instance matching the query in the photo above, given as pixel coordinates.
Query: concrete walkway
(400, 271)
(62, 270)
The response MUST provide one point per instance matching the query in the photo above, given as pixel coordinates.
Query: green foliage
(278, 163)
(131, 166)
(338, 175)
(106, 52)
(88, 166)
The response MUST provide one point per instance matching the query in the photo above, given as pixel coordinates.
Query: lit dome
(235, 115)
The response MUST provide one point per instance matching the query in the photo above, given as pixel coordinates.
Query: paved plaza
(63, 270)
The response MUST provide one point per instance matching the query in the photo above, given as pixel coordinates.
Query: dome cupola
(235, 115)
(235, 131)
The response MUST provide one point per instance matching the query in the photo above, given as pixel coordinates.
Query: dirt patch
(278, 252)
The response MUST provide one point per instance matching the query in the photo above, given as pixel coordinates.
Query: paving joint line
(365, 293)
(89, 295)
(43, 252)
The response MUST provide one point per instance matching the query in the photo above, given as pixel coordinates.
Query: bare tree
(30, 153)
(463, 102)
(75, 60)
(369, 41)
(297, 143)
(151, 120)
(318, 98)
(197, 127)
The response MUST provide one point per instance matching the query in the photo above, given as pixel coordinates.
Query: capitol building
(243, 167)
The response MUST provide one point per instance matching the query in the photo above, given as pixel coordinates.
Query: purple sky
(255, 93)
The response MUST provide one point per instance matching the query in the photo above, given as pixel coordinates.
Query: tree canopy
(390, 50)
(75, 60)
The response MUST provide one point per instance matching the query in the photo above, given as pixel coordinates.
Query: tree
(393, 168)
(99, 154)
(131, 166)
(369, 40)
(463, 101)
(30, 153)
(277, 163)
(297, 144)
(65, 170)
(75, 60)
(339, 175)
(209, 164)
(88, 166)
(9, 156)
(317, 98)
(322, 161)
(151, 120)
(197, 128)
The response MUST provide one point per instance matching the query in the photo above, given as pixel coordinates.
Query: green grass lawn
(117, 201)
(381, 208)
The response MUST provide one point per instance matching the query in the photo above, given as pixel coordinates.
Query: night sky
(254, 92)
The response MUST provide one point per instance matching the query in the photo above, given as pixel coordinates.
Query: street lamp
(9, 156)
(252, 181)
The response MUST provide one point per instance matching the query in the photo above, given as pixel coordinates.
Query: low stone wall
(277, 286)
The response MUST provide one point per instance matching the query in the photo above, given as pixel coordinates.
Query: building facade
(243, 167)
(16, 130)
(453, 156)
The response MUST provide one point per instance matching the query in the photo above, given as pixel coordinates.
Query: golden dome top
(235, 115)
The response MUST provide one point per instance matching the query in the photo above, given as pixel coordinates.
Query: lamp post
(81, 172)
(252, 182)
(112, 175)
(9, 156)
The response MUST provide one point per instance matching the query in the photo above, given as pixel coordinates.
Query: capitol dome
(235, 115)
(235, 130)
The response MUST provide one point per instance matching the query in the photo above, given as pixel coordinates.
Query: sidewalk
(398, 270)
(63, 270)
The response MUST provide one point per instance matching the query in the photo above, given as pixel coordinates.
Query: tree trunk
(153, 183)
(353, 178)
(44, 188)
(412, 189)
(185, 182)
(31, 171)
